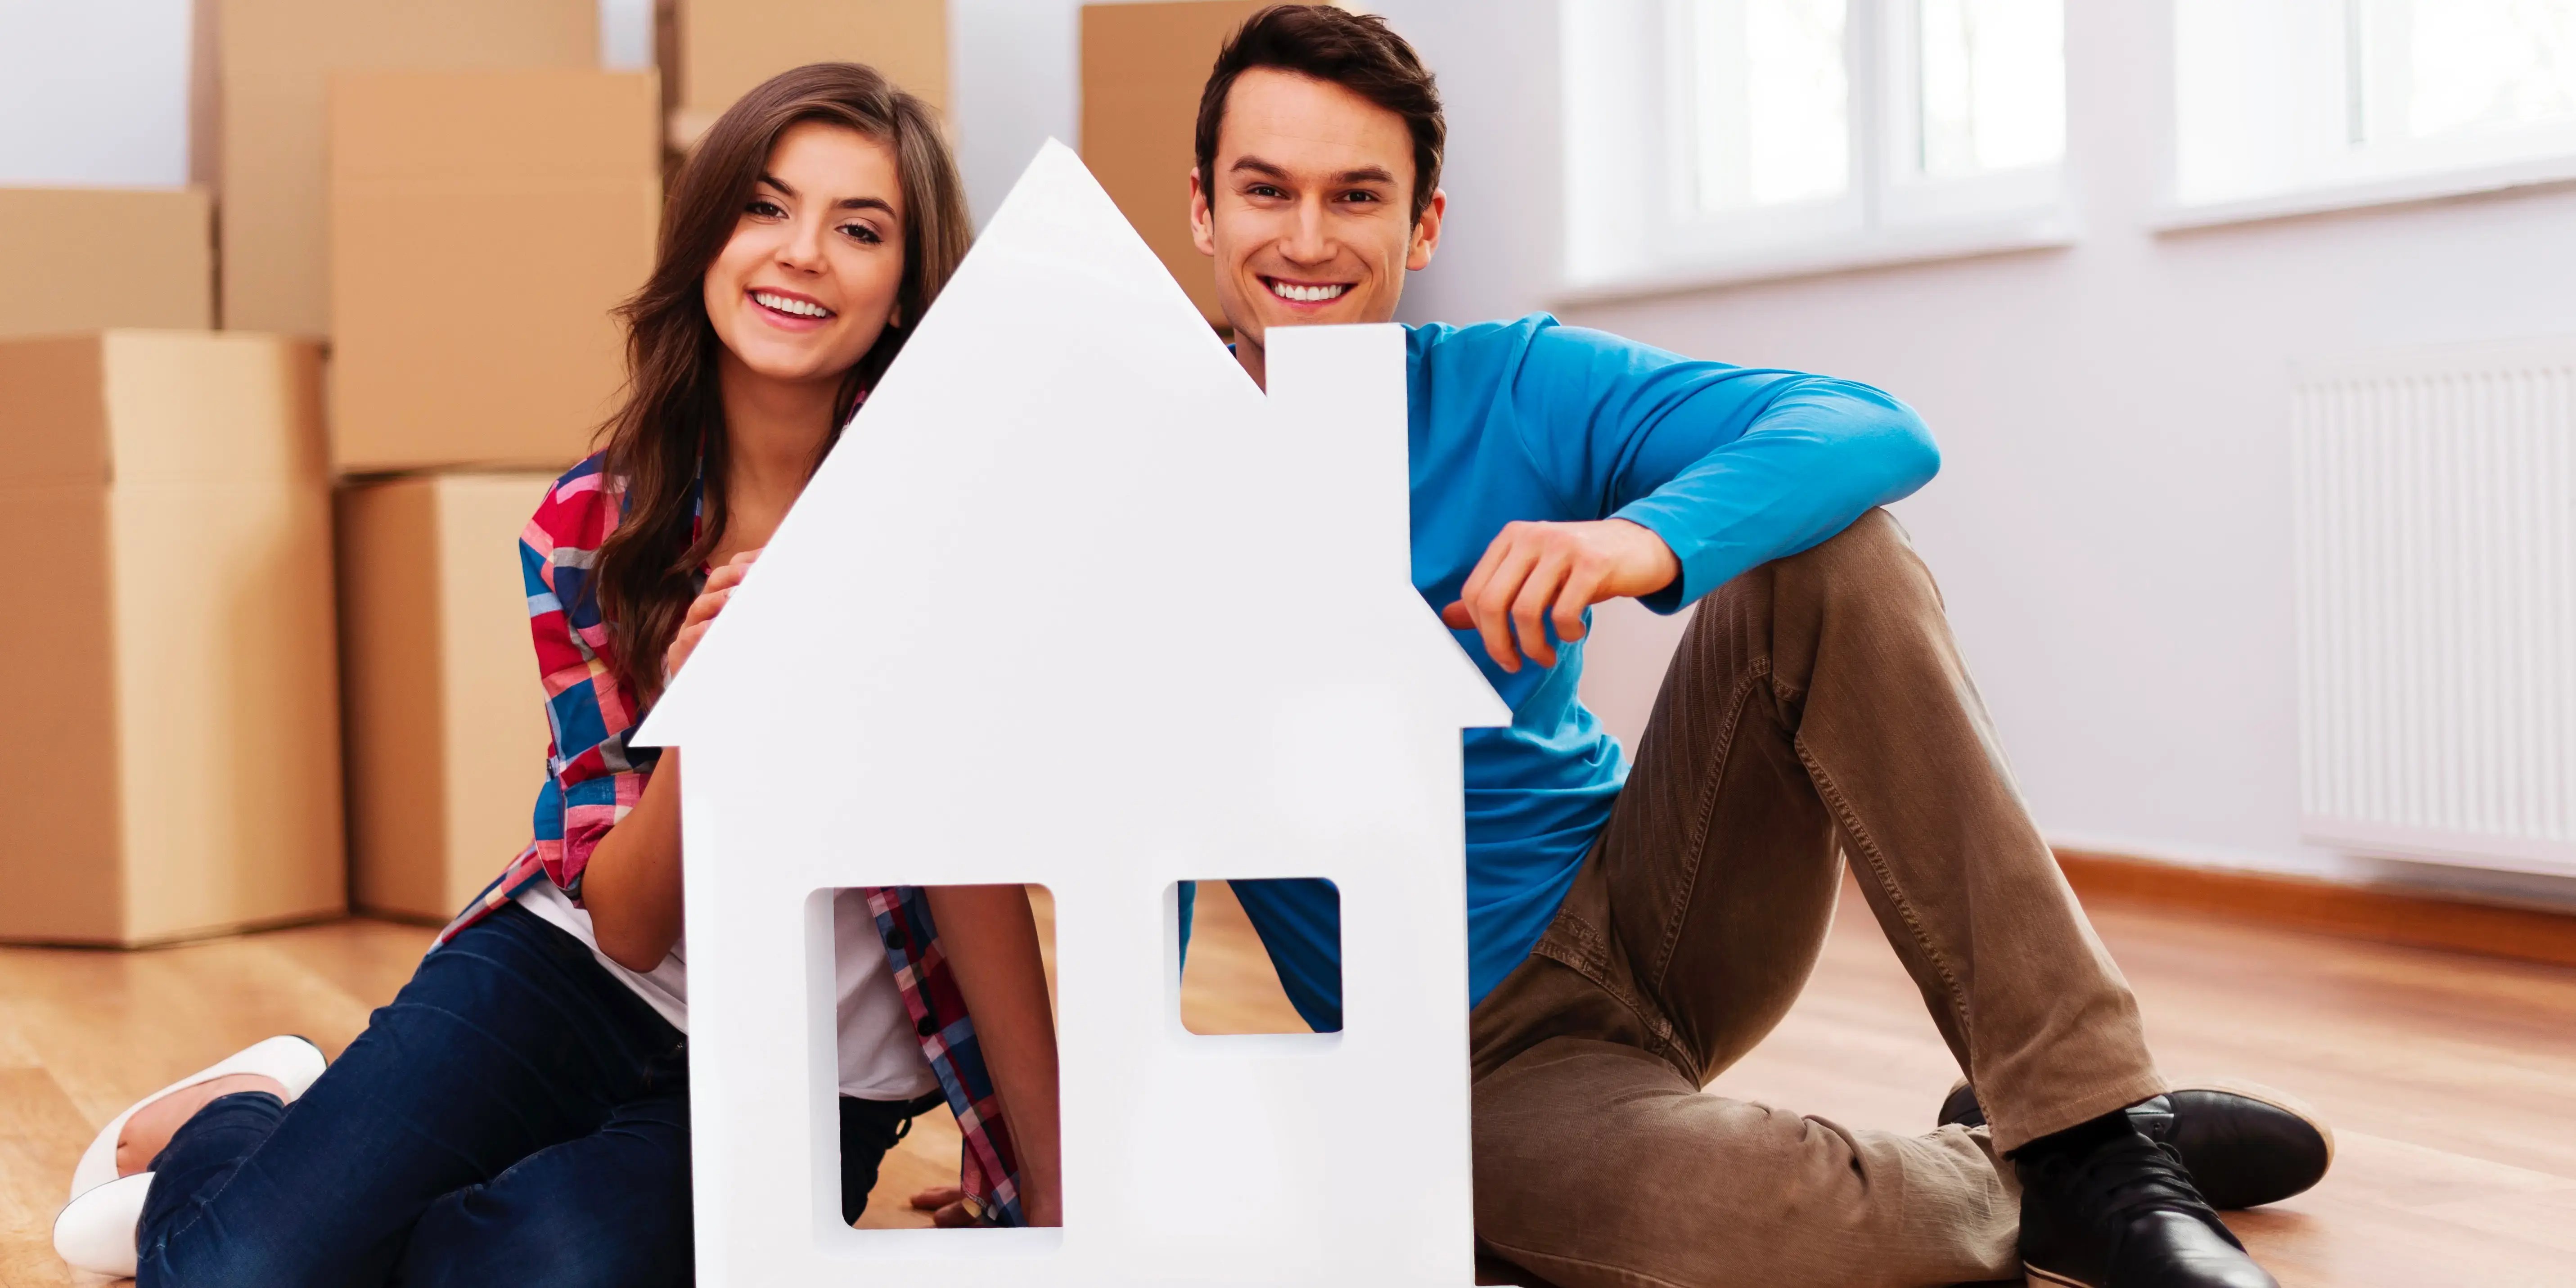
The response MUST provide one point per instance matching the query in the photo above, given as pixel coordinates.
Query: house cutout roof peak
(1066, 478)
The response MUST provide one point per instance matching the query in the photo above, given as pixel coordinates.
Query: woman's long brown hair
(670, 433)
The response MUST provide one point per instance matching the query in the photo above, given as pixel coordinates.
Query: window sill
(1885, 248)
(2395, 190)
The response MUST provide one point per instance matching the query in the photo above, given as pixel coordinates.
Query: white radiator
(2436, 513)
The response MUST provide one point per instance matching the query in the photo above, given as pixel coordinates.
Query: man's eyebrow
(1365, 174)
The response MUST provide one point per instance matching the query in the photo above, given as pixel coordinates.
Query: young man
(1634, 930)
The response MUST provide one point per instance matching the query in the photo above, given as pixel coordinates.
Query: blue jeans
(516, 1116)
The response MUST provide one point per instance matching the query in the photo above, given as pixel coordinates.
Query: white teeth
(1308, 294)
(785, 305)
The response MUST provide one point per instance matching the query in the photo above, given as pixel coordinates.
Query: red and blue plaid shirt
(594, 778)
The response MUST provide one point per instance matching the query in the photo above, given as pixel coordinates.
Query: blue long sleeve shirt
(1731, 466)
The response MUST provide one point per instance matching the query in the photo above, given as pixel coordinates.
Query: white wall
(2111, 526)
(94, 92)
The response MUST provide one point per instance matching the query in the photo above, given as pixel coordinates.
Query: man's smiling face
(1310, 212)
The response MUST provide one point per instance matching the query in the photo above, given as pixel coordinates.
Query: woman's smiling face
(810, 278)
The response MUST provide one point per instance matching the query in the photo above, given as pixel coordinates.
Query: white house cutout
(1073, 602)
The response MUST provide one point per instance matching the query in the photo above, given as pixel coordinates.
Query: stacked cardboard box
(447, 727)
(483, 225)
(170, 744)
(725, 47)
(274, 58)
(84, 259)
(170, 762)
(1143, 66)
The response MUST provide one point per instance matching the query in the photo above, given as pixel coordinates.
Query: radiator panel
(2436, 575)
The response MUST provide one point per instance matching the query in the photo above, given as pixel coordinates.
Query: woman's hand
(703, 610)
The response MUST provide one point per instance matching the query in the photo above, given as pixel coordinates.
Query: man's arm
(1694, 471)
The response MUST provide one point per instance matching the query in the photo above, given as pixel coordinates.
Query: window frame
(2308, 126)
(1634, 226)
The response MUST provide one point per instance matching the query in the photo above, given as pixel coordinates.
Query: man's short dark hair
(1356, 51)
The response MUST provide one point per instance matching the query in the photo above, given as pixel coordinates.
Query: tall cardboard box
(1143, 67)
(169, 712)
(86, 259)
(273, 58)
(726, 47)
(446, 711)
(483, 225)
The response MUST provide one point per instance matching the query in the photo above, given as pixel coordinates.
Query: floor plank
(2448, 1076)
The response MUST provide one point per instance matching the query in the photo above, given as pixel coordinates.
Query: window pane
(1772, 111)
(1994, 84)
(2472, 63)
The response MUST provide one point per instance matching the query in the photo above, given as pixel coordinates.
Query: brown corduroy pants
(1817, 707)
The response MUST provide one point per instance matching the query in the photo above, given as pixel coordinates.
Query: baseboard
(2374, 913)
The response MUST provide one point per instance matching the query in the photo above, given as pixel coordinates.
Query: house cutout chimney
(1028, 623)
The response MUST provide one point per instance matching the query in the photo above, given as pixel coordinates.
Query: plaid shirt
(594, 778)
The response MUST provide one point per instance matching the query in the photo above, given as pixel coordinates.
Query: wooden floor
(2451, 1079)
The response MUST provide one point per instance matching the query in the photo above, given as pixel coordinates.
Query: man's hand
(1537, 571)
(703, 610)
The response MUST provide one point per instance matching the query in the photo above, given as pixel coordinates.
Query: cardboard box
(86, 259)
(483, 225)
(1143, 67)
(446, 712)
(726, 47)
(169, 712)
(273, 59)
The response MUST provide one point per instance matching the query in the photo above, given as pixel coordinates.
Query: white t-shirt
(880, 1053)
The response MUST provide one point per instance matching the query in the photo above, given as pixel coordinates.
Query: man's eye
(1361, 194)
(1265, 190)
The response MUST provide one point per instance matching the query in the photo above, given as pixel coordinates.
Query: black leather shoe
(2245, 1145)
(2121, 1212)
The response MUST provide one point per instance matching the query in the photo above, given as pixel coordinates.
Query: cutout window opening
(1259, 956)
(898, 1139)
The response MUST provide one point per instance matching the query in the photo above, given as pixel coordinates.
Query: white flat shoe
(95, 1230)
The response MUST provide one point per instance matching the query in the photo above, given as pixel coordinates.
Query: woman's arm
(631, 887)
(990, 940)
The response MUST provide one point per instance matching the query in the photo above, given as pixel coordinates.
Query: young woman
(518, 1114)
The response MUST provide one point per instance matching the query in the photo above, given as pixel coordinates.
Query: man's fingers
(1492, 604)
(952, 1217)
(937, 1197)
(1482, 573)
(1456, 617)
(1582, 590)
(1530, 607)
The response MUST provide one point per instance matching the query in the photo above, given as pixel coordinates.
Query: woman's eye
(864, 234)
(766, 209)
